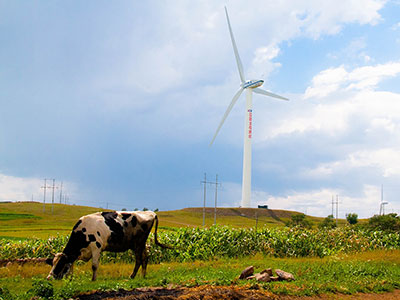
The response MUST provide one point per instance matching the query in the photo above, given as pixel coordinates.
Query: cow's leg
(145, 259)
(138, 263)
(95, 265)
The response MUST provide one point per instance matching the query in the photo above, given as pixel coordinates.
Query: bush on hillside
(352, 218)
(328, 223)
(299, 220)
(390, 222)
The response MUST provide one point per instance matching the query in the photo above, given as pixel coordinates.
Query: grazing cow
(106, 231)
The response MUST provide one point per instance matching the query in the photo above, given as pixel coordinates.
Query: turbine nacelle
(252, 83)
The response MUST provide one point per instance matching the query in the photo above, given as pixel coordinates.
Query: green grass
(28, 220)
(234, 217)
(15, 216)
(375, 271)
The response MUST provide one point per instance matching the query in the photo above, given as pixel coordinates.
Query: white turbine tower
(250, 86)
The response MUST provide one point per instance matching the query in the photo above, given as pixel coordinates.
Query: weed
(42, 288)
(5, 294)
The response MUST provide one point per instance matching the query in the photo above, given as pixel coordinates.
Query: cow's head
(61, 266)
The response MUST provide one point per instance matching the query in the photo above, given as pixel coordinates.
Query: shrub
(352, 218)
(328, 223)
(42, 288)
(390, 222)
(5, 294)
(299, 220)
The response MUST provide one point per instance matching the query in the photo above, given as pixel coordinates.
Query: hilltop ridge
(29, 219)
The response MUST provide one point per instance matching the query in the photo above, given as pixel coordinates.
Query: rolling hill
(27, 219)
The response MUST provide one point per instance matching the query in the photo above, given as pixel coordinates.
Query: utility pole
(52, 197)
(204, 200)
(205, 182)
(333, 207)
(44, 194)
(216, 196)
(61, 186)
(337, 209)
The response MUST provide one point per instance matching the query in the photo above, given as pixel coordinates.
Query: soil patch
(221, 292)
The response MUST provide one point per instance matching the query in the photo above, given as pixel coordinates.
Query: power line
(337, 207)
(216, 196)
(61, 187)
(216, 183)
(204, 200)
(44, 194)
(52, 197)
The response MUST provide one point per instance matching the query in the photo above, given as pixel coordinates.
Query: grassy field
(235, 217)
(375, 271)
(27, 219)
(345, 268)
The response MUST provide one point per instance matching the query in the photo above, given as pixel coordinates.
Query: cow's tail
(155, 237)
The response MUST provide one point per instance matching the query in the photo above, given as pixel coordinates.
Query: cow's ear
(49, 261)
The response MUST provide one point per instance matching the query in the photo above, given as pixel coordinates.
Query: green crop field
(345, 260)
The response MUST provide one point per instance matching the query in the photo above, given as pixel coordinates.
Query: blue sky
(120, 100)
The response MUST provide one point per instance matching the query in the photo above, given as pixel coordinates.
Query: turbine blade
(264, 92)
(238, 61)
(228, 110)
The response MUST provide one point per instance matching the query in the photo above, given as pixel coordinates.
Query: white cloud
(396, 26)
(319, 202)
(348, 97)
(383, 123)
(326, 82)
(191, 41)
(333, 79)
(328, 17)
(17, 188)
(24, 188)
(387, 160)
(262, 63)
(354, 52)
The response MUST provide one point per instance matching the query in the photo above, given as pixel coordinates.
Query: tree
(145, 209)
(299, 220)
(124, 209)
(328, 222)
(352, 218)
(390, 222)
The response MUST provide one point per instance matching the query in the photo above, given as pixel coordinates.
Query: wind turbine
(250, 86)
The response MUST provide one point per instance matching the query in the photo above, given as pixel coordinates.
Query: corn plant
(191, 244)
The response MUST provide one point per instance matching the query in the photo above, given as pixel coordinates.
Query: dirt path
(222, 293)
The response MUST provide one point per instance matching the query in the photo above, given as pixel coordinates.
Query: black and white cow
(106, 231)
